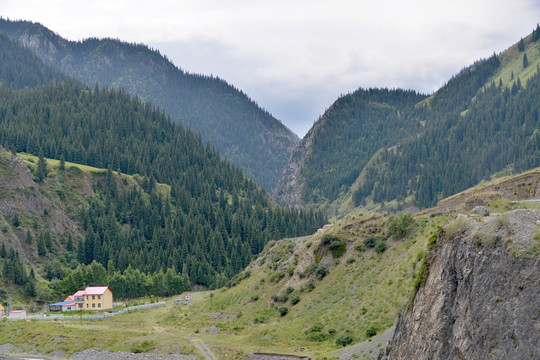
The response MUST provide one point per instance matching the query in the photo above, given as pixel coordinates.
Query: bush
(337, 248)
(371, 331)
(283, 310)
(321, 272)
(359, 247)
(327, 239)
(371, 241)
(344, 340)
(380, 247)
(295, 299)
(399, 226)
(276, 276)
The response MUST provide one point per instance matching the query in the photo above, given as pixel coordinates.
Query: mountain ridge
(243, 132)
(394, 171)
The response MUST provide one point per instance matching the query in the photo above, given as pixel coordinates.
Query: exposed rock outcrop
(480, 299)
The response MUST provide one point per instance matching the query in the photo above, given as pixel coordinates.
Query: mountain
(338, 146)
(172, 205)
(243, 132)
(422, 149)
(16, 62)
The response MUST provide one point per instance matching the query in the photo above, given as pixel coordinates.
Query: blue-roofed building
(63, 306)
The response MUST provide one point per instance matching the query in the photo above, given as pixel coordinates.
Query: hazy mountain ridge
(244, 133)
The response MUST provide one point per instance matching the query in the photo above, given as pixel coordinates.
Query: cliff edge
(480, 297)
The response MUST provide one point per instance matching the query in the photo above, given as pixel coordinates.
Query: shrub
(318, 336)
(344, 340)
(283, 310)
(456, 227)
(310, 286)
(359, 247)
(321, 272)
(295, 299)
(399, 226)
(291, 269)
(276, 276)
(371, 331)
(370, 241)
(327, 239)
(337, 248)
(311, 269)
(380, 247)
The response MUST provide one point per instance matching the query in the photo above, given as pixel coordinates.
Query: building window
(80, 305)
(99, 297)
(99, 305)
(93, 297)
(87, 306)
(93, 305)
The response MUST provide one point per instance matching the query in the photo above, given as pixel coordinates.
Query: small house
(17, 314)
(94, 298)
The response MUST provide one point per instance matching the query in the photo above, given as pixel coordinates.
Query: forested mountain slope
(410, 150)
(206, 219)
(333, 153)
(469, 135)
(243, 132)
(16, 62)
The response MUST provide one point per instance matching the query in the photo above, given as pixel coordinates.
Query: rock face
(480, 299)
(480, 210)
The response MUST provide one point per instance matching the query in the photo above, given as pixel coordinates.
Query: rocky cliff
(480, 298)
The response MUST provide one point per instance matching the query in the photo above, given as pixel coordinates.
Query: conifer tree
(521, 45)
(41, 172)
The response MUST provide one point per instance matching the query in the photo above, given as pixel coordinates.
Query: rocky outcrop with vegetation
(480, 297)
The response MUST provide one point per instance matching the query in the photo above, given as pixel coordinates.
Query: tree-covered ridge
(353, 129)
(20, 68)
(213, 220)
(243, 132)
(458, 92)
(500, 129)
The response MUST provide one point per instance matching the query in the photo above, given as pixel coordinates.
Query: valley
(405, 225)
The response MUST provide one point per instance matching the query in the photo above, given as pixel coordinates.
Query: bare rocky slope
(480, 298)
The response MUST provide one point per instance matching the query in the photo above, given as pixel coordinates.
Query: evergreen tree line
(128, 284)
(14, 271)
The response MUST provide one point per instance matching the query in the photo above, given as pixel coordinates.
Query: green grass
(512, 63)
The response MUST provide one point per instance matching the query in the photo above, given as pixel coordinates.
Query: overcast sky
(295, 58)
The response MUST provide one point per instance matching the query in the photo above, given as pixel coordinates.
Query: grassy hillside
(512, 68)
